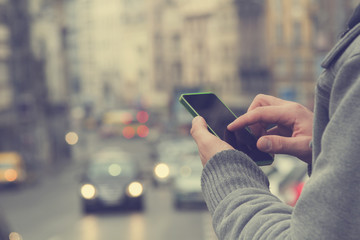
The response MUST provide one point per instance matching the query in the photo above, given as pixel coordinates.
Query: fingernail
(265, 144)
(195, 119)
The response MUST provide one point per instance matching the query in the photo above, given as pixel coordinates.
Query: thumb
(295, 146)
(198, 127)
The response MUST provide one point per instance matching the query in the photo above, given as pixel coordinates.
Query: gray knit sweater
(236, 190)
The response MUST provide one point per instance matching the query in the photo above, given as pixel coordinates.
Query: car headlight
(135, 189)
(185, 171)
(88, 191)
(11, 175)
(15, 236)
(162, 170)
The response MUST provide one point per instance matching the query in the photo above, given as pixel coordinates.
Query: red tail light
(128, 132)
(142, 116)
(142, 131)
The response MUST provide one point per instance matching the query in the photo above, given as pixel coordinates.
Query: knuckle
(278, 145)
(192, 131)
(256, 114)
(296, 106)
(259, 97)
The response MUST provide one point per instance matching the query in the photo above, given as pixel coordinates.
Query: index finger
(262, 100)
(267, 114)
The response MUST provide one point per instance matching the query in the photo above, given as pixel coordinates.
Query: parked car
(112, 179)
(287, 175)
(5, 231)
(187, 186)
(12, 168)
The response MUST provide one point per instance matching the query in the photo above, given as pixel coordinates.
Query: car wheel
(87, 209)
(139, 206)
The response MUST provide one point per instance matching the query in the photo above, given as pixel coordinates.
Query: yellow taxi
(12, 168)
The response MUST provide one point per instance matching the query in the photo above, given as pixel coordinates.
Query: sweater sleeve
(238, 197)
(242, 207)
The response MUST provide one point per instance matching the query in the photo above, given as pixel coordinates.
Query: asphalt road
(50, 210)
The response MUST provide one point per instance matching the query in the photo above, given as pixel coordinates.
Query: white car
(187, 187)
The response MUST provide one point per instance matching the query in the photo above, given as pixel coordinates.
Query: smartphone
(218, 116)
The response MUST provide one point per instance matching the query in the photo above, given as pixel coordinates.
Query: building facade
(299, 34)
(237, 48)
(33, 108)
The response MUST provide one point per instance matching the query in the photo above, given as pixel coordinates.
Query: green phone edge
(193, 112)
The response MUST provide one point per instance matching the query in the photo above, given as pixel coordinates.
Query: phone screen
(218, 116)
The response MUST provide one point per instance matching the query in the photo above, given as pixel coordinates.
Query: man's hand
(292, 132)
(208, 144)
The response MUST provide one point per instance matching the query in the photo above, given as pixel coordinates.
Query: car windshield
(6, 165)
(111, 169)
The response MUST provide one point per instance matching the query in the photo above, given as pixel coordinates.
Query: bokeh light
(15, 236)
(128, 132)
(142, 131)
(126, 117)
(88, 191)
(135, 189)
(162, 170)
(185, 171)
(142, 116)
(72, 138)
(10, 175)
(114, 169)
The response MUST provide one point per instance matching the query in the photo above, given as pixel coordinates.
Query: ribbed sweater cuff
(228, 171)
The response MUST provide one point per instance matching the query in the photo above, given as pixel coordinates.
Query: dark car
(5, 231)
(112, 179)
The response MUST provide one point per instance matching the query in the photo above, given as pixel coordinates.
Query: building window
(297, 3)
(279, 34)
(299, 68)
(297, 36)
(281, 68)
(278, 7)
(4, 33)
(177, 72)
(176, 41)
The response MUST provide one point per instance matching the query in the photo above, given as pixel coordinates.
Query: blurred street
(89, 114)
(50, 210)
